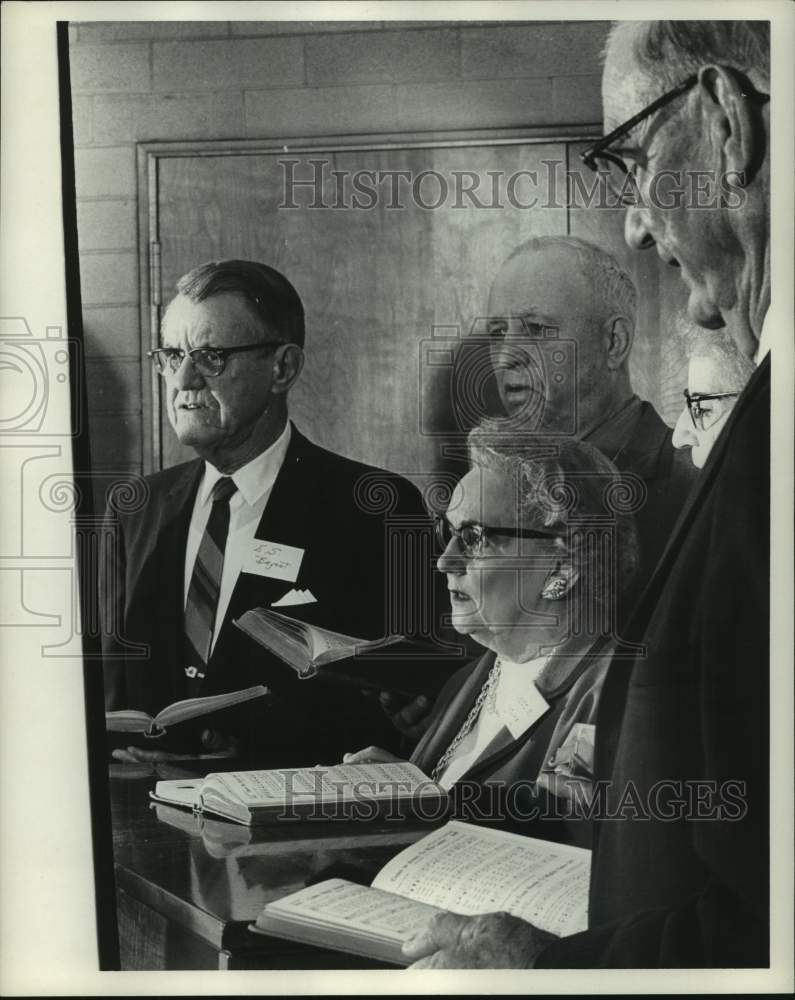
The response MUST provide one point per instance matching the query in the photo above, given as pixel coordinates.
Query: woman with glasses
(716, 375)
(537, 541)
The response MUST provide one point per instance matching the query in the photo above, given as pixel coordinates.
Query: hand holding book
(478, 874)
(488, 941)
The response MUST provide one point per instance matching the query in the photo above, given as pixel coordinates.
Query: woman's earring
(555, 587)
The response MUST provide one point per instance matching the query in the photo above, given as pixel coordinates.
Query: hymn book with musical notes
(346, 791)
(461, 868)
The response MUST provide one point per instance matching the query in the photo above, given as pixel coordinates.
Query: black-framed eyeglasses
(612, 168)
(208, 361)
(473, 537)
(609, 165)
(702, 418)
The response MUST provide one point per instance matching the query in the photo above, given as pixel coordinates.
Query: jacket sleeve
(725, 670)
(712, 930)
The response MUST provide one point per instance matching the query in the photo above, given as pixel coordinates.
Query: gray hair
(556, 483)
(667, 52)
(612, 285)
(719, 347)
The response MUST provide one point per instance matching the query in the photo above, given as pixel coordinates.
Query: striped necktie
(205, 586)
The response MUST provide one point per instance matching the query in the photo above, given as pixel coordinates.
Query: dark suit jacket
(691, 891)
(338, 512)
(502, 787)
(637, 440)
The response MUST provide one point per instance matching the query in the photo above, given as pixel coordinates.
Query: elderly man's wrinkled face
(664, 154)
(495, 591)
(705, 376)
(224, 416)
(549, 352)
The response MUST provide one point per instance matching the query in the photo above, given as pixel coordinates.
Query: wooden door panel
(374, 282)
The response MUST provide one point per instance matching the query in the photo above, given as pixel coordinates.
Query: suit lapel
(171, 540)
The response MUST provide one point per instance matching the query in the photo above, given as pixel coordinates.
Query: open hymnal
(133, 721)
(305, 648)
(461, 868)
(347, 791)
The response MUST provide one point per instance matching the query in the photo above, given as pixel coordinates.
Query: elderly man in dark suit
(680, 871)
(181, 569)
(564, 290)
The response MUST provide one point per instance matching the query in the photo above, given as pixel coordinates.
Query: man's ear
(287, 364)
(619, 334)
(730, 121)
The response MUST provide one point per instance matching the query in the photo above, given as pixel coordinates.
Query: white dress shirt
(517, 705)
(254, 483)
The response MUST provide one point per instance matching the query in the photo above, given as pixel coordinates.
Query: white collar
(518, 701)
(254, 478)
(763, 347)
(521, 675)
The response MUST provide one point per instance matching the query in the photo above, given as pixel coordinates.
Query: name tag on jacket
(272, 559)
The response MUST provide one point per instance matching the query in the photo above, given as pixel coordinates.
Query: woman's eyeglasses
(208, 361)
(473, 537)
(704, 417)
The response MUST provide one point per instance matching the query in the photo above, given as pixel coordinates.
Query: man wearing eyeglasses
(186, 564)
(683, 887)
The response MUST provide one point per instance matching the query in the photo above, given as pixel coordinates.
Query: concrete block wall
(137, 81)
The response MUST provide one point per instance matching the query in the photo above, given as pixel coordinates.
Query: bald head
(562, 317)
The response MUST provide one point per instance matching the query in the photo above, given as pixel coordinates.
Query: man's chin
(193, 434)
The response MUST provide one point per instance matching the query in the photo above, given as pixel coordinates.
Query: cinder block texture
(389, 57)
(112, 331)
(168, 116)
(314, 111)
(104, 68)
(116, 31)
(100, 172)
(106, 225)
(228, 65)
(568, 48)
(109, 278)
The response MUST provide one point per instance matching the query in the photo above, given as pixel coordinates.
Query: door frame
(149, 155)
